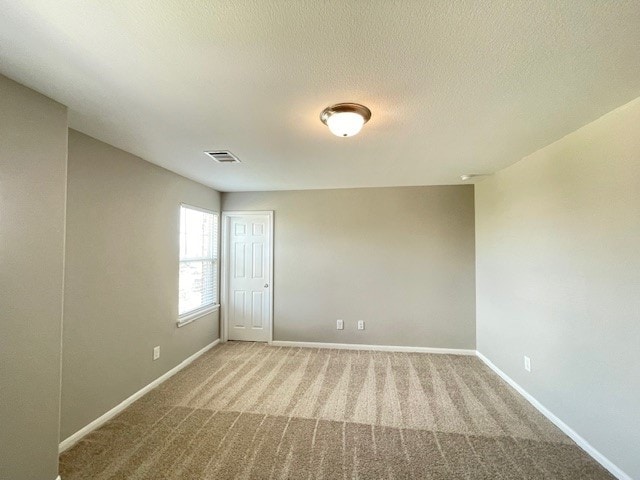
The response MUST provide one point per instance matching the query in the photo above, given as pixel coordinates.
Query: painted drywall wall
(122, 278)
(558, 279)
(401, 259)
(33, 164)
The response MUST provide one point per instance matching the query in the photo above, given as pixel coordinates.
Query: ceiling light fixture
(345, 119)
(471, 176)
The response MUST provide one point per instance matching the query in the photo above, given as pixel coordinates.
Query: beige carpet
(250, 411)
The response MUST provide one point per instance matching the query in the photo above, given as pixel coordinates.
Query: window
(198, 277)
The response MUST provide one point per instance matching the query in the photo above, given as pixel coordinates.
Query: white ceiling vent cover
(223, 156)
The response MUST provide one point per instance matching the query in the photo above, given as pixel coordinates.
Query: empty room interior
(319, 239)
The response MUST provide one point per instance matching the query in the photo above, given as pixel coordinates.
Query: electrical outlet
(527, 363)
(156, 352)
(360, 324)
(339, 324)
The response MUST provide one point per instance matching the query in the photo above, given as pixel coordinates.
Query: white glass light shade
(345, 124)
(345, 119)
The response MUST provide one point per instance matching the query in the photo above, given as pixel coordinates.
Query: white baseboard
(381, 348)
(98, 422)
(582, 443)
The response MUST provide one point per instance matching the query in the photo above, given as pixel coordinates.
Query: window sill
(193, 316)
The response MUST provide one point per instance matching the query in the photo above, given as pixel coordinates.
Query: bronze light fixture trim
(345, 119)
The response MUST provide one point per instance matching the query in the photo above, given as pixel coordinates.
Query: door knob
(266, 285)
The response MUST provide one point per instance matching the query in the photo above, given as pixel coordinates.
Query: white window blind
(198, 278)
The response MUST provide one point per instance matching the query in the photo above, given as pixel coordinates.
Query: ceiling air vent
(223, 156)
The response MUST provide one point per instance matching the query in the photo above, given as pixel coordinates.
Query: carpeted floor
(251, 411)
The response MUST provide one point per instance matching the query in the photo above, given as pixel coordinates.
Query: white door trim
(224, 269)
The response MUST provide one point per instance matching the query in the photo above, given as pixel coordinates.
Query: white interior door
(248, 263)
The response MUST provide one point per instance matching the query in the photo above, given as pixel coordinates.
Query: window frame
(192, 315)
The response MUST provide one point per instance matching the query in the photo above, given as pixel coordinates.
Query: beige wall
(33, 153)
(402, 259)
(121, 278)
(558, 279)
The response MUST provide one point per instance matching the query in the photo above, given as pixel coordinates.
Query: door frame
(224, 269)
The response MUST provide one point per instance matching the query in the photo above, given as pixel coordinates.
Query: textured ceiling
(454, 86)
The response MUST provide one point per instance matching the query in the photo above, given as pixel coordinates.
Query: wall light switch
(527, 363)
(340, 325)
(156, 352)
(360, 324)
